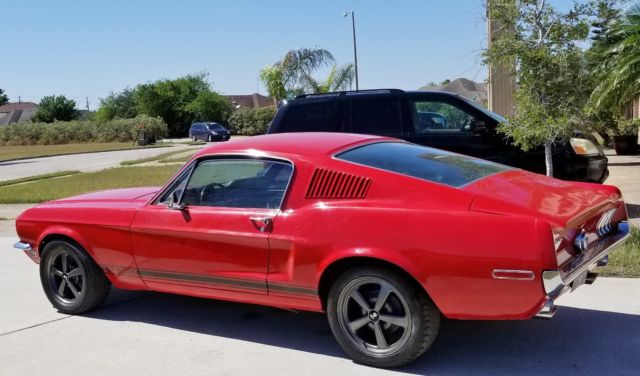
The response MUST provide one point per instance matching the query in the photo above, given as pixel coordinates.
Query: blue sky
(89, 48)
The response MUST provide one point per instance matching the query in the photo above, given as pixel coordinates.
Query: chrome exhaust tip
(603, 261)
(548, 310)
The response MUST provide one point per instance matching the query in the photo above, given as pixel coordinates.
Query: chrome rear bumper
(580, 270)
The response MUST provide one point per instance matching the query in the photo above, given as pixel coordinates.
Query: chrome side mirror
(174, 202)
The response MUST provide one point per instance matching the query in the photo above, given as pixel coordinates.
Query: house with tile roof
(475, 91)
(254, 100)
(16, 113)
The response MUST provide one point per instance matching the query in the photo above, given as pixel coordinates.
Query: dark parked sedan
(208, 132)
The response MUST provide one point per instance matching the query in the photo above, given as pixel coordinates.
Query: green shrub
(64, 132)
(251, 121)
(625, 127)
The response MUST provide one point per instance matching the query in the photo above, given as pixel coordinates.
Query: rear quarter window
(424, 163)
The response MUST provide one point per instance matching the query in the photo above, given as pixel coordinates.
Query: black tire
(416, 318)
(85, 285)
(193, 138)
(210, 138)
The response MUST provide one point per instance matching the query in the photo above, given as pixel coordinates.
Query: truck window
(376, 116)
(311, 117)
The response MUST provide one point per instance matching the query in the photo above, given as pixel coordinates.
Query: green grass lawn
(119, 177)
(35, 151)
(38, 177)
(181, 159)
(154, 158)
(625, 261)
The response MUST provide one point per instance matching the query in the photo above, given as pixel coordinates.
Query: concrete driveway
(139, 333)
(83, 162)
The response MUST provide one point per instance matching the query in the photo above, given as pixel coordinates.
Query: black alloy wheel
(379, 318)
(72, 281)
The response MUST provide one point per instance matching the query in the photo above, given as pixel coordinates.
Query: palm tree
(619, 70)
(272, 78)
(287, 74)
(338, 79)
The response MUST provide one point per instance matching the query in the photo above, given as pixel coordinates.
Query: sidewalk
(624, 172)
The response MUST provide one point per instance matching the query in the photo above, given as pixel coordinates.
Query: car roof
(352, 94)
(291, 144)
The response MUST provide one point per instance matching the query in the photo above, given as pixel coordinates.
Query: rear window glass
(379, 116)
(423, 163)
(311, 117)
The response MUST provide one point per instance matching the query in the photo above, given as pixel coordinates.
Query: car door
(210, 228)
(447, 123)
(200, 130)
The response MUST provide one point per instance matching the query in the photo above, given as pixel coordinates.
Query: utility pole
(87, 98)
(355, 50)
(19, 100)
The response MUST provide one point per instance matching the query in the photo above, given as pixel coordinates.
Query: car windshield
(214, 127)
(486, 111)
(423, 163)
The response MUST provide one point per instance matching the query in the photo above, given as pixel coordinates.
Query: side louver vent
(333, 184)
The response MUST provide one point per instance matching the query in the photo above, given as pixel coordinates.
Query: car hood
(519, 192)
(142, 195)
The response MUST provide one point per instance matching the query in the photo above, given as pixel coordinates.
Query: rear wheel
(193, 138)
(72, 281)
(379, 318)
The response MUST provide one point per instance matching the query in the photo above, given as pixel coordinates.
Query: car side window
(238, 183)
(437, 116)
(177, 187)
(376, 116)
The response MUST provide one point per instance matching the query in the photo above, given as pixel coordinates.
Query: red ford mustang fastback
(385, 236)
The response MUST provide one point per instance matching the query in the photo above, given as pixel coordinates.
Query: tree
(273, 79)
(118, 105)
(3, 98)
(210, 106)
(171, 99)
(286, 76)
(618, 56)
(542, 48)
(338, 79)
(55, 108)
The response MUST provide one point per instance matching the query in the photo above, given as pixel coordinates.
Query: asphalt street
(596, 332)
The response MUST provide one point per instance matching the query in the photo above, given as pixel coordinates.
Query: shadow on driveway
(576, 341)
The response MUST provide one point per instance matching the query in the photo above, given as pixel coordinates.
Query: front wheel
(381, 319)
(210, 138)
(71, 280)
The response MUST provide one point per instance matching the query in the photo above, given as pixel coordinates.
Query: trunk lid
(561, 203)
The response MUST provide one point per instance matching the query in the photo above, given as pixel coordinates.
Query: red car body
(479, 251)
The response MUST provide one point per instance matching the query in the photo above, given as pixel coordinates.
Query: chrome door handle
(262, 223)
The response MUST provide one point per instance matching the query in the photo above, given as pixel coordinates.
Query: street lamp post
(355, 50)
